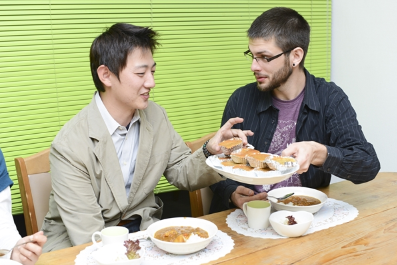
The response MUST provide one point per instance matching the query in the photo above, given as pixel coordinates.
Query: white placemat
(333, 213)
(221, 245)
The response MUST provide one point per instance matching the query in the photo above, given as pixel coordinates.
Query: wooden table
(371, 238)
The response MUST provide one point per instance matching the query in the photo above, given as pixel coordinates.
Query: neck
(121, 115)
(293, 87)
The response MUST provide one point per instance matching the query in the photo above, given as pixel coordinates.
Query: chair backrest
(35, 186)
(200, 200)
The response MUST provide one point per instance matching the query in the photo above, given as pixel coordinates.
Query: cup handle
(93, 237)
(245, 209)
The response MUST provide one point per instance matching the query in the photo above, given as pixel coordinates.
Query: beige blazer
(88, 190)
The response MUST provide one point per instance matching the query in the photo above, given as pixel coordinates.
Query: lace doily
(332, 213)
(221, 245)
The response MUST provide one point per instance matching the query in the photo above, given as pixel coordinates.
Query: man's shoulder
(323, 86)
(324, 90)
(78, 122)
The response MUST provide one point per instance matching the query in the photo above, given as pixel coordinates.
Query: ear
(104, 75)
(296, 56)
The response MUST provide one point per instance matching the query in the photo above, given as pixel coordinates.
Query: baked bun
(231, 145)
(258, 160)
(238, 156)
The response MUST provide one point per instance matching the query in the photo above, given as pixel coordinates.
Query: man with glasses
(293, 113)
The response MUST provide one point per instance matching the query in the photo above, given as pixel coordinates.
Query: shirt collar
(111, 124)
(311, 99)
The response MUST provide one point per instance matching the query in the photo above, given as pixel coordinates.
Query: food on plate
(301, 200)
(258, 160)
(239, 155)
(280, 162)
(228, 163)
(230, 145)
(243, 167)
(132, 249)
(290, 220)
(179, 234)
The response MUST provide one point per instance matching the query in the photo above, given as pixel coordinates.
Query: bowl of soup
(304, 199)
(182, 235)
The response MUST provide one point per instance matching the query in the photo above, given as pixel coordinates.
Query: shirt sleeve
(350, 156)
(8, 231)
(5, 180)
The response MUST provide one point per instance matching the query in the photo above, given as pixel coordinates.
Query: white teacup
(111, 235)
(257, 213)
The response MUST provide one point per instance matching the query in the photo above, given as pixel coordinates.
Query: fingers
(27, 253)
(39, 238)
(243, 191)
(242, 195)
(231, 122)
(291, 150)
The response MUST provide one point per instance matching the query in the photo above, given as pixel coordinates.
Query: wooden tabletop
(368, 239)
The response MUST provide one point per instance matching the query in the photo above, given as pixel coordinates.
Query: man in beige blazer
(107, 160)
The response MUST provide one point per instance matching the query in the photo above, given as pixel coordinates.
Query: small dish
(108, 255)
(304, 220)
(187, 247)
(298, 191)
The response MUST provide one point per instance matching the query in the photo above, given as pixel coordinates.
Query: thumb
(244, 191)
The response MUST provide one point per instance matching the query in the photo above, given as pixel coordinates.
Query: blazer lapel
(143, 157)
(105, 152)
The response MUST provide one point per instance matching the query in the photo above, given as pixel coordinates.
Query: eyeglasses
(248, 54)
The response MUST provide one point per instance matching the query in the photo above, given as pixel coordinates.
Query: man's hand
(226, 132)
(29, 253)
(307, 153)
(243, 194)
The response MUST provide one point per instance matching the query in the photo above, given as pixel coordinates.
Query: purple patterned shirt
(284, 135)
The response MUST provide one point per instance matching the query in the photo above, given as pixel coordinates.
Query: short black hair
(288, 28)
(113, 46)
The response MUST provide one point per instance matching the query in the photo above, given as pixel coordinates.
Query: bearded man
(293, 113)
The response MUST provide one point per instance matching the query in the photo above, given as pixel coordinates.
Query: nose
(255, 66)
(149, 82)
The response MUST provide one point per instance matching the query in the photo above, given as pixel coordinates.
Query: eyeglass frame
(249, 53)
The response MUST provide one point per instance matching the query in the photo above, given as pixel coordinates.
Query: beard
(279, 78)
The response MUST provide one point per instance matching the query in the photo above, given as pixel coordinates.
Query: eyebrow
(145, 66)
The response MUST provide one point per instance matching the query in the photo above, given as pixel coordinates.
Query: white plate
(298, 191)
(182, 248)
(9, 262)
(250, 177)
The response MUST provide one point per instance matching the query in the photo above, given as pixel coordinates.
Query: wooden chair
(35, 186)
(200, 200)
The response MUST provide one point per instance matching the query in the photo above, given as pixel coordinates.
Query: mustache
(260, 75)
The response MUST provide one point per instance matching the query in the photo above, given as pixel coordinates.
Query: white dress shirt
(126, 141)
(9, 234)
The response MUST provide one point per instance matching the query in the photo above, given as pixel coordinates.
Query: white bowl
(187, 247)
(105, 255)
(297, 191)
(303, 219)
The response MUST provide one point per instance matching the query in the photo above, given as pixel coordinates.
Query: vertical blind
(45, 77)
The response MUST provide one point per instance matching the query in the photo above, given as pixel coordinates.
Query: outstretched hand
(29, 253)
(307, 153)
(226, 132)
